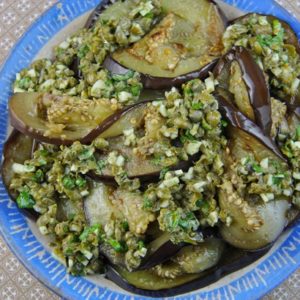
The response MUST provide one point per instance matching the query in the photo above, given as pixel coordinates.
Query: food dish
(236, 50)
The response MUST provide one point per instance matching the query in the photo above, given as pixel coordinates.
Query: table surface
(15, 281)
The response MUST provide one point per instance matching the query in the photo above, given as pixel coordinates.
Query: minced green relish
(58, 79)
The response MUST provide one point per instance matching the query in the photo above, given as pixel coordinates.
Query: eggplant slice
(239, 74)
(293, 102)
(255, 224)
(187, 264)
(17, 149)
(162, 249)
(108, 11)
(181, 33)
(26, 119)
(239, 121)
(232, 261)
(136, 166)
(29, 113)
(240, 234)
(99, 209)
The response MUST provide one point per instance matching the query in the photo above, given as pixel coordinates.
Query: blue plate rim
(14, 241)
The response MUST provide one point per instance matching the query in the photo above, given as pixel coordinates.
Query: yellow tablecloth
(15, 282)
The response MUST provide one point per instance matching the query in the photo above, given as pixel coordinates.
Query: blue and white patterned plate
(21, 235)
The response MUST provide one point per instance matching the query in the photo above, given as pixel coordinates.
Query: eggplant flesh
(238, 73)
(190, 35)
(146, 280)
(97, 206)
(130, 117)
(17, 149)
(67, 209)
(136, 166)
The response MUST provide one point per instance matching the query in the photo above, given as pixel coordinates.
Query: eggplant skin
(214, 275)
(254, 79)
(295, 220)
(160, 83)
(161, 255)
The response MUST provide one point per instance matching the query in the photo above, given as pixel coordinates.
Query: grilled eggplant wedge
(183, 46)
